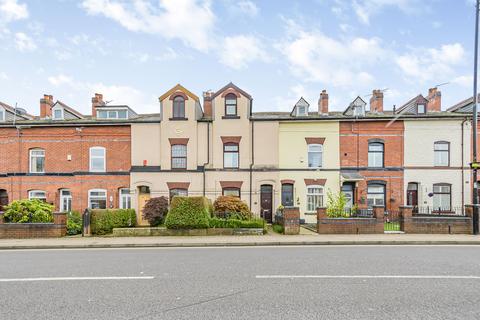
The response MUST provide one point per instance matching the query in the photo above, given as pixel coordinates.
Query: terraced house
(216, 145)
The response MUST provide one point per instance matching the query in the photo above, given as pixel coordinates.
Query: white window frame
(107, 112)
(31, 192)
(439, 154)
(3, 114)
(98, 157)
(312, 145)
(311, 195)
(62, 200)
(124, 196)
(30, 162)
(58, 109)
(372, 160)
(375, 196)
(305, 110)
(90, 197)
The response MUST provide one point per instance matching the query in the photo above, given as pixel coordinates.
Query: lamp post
(474, 124)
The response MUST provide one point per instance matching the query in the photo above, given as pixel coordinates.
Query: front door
(266, 202)
(3, 199)
(143, 197)
(347, 190)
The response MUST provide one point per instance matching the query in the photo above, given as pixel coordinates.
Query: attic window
(358, 111)
(2, 114)
(57, 114)
(112, 114)
(301, 110)
(421, 108)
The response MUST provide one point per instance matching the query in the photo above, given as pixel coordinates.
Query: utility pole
(474, 125)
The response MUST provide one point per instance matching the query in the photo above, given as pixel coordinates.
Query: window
(112, 114)
(358, 111)
(314, 198)
(442, 154)
(287, 195)
(376, 195)
(97, 199)
(178, 192)
(65, 200)
(375, 154)
(235, 192)
(315, 152)
(2, 114)
(179, 156)
(57, 114)
(37, 194)
(37, 160)
(97, 159)
(442, 197)
(230, 155)
(301, 111)
(125, 200)
(178, 107)
(230, 105)
(420, 108)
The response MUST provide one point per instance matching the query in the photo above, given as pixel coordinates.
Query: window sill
(231, 117)
(310, 213)
(441, 167)
(179, 169)
(178, 119)
(230, 168)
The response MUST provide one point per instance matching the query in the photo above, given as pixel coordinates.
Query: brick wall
(291, 220)
(435, 224)
(326, 225)
(34, 230)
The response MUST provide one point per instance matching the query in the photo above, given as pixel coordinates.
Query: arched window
(37, 160)
(179, 156)
(375, 154)
(315, 155)
(230, 105)
(376, 195)
(314, 198)
(97, 159)
(65, 200)
(124, 198)
(230, 155)
(178, 107)
(442, 153)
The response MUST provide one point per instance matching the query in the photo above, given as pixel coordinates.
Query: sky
(276, 50)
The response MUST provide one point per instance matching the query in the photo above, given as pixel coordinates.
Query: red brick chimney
(376, 101)
(46, 104)
(97, 101)
(434, 98)
(323, 103)
(207, 103)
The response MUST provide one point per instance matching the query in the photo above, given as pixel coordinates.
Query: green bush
(278, 228)
(74, 223)
(188, 213)
(215, 222)
(103, 221)
(231, 207)
(28, 211)
(336, 205)
(155, 210)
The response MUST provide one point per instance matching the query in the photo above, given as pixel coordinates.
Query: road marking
(364, 277)
(73, 279)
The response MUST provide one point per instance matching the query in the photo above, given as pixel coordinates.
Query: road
(329, 282)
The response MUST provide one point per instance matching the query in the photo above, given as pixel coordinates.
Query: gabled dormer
(61, 111)
(9, 114)
(465, 106)
(356, 108)
(179, 104)
(415, 106)
(300, 109)
(229, 102)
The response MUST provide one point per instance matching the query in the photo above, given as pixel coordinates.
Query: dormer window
(178, 107)
(57, 114)
(301, 111)
(112, 114)
(2, 114)
(421, 108)
(230, 105)
(358, 111)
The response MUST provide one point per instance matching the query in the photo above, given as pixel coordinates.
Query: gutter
(463, 152)
(252, 155)
(208, 157)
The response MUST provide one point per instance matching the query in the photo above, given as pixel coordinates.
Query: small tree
(230, 206)
(336, 205)
(155, 210)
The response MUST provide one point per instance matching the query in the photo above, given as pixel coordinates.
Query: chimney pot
(434, 98)
(376, 101)
(207, 103)
(46, 106)
(323, 103)
(97, 101)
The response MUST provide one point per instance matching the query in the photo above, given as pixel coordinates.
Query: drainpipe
(253, 154)
(463, 176)
(208, 156)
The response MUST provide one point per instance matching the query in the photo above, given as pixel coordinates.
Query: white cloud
(191, 21)
(59, 80)
(24, 43)
(365, 9)
(431, 64)
(464, 81)
(314, 56)
(3, 76)
(248, 7)
(11, 10)
(240, 50)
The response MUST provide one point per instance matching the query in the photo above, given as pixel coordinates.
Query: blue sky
(133, 51)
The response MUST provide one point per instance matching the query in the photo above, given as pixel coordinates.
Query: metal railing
(352, 213)
(438, 211)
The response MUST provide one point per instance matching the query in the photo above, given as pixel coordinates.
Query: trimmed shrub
(155, 210)
(74, 223)
(215, 222)
(231, 207)
(103, 221)
(188, 213)
(278, 228)
(28, 211)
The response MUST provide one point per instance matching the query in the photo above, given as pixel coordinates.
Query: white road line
(364, 277)
(73, 279)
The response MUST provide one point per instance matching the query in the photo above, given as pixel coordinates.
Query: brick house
(71, 160)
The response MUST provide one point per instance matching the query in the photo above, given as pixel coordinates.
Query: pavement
(289, 282)
(307, 238)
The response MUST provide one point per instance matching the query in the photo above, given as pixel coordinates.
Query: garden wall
(435, 224)
(326, 225)
(34, 230)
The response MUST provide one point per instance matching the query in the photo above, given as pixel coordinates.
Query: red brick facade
(67, 151)
(355, 137)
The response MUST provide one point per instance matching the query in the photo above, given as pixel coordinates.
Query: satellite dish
(20, 111)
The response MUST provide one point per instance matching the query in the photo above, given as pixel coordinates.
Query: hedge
(74, 223)
(231, 207)
(188, 213)
(103, 221)
(28, 211)
(235, 223)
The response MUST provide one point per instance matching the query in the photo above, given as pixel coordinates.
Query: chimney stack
(434, 98)
(323, 103)
(97, 101)
(207, 103)
(376, 101)
(46, 104)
